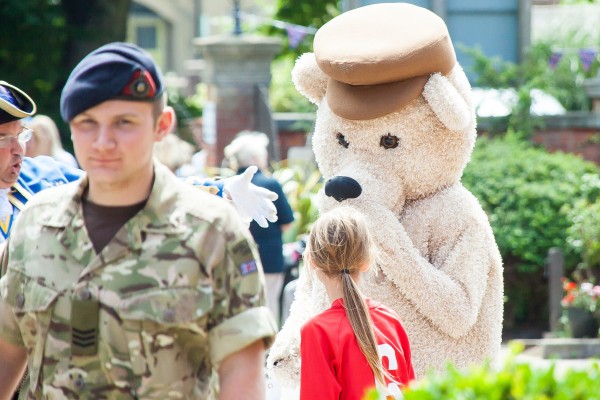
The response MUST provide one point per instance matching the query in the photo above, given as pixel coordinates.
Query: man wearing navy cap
(129, 283)
(21, 177)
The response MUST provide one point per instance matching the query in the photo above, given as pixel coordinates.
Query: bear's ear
(308, 78)
(450, 99)
(458, 78)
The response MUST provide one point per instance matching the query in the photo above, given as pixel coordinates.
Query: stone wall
(235, 67)
(577, 133)
(294, 130)
(583, 142)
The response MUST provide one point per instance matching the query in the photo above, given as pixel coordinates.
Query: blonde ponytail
(340, 246)
(362, 325)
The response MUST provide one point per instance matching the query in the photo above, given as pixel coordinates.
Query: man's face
(11, 157)
(113, 142)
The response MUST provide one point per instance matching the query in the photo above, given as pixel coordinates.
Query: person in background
(46, 141)
(342, 348)
(173, 152)
(21, 177)
(196, 167)
(129, 283)
(250, 149)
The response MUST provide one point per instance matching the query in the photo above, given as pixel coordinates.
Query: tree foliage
(32, 57)
(310, 14)
(313, 14)
(284, 97)
(92, 23)
(563, 79)
(42, 40)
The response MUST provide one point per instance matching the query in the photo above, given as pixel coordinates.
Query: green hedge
(527, 193)
(583, 236)
(529, 196)
(514, 380)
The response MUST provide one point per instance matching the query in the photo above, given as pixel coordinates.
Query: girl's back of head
(340, 247)
(340, 241)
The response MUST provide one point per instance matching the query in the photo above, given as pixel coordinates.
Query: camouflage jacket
(177, 289)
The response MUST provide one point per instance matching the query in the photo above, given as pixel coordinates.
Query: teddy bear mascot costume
(395, 128)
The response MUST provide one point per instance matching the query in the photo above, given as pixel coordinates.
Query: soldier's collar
(65, 201)
(152, 218)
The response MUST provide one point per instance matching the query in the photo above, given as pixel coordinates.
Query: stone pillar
(555, 270)
(235, 67)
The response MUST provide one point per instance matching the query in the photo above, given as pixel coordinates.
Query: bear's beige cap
(379, 57)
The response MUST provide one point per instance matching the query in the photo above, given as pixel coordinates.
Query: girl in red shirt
(357, 343)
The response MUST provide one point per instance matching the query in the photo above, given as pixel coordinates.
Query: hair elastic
(345, 271)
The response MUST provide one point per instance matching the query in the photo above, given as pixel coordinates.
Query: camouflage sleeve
(240, 316)
(9, 327)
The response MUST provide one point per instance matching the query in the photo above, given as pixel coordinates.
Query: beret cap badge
(141, 86)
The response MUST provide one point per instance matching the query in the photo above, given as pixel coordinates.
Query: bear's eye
(389, 141)
(342, 140)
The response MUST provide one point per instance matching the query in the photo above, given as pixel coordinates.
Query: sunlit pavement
(533, 356)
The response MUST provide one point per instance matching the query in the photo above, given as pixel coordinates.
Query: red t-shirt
(332, 364)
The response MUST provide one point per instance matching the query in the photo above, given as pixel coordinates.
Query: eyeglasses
(23, 137)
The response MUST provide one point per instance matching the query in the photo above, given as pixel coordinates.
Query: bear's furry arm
(283, 362)
(439, 256)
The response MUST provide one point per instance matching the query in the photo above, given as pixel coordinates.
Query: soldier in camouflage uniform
(129, 284)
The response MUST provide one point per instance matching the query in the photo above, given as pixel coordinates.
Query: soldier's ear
(308, 78)
(164, 123)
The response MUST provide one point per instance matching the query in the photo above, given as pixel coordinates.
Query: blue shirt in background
(269, 240)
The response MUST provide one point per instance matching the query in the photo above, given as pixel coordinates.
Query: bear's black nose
(342, 188)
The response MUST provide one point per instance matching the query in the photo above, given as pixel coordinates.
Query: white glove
(252, 202)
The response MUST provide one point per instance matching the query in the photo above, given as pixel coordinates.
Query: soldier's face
(114, 140)
(11, 157)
